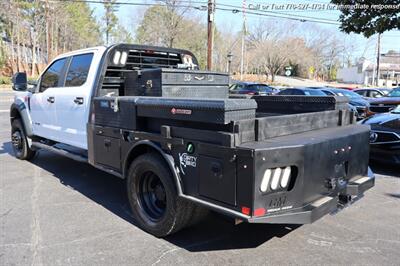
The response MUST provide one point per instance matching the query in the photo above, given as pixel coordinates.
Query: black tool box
(118, 112)
(216, 111)
(282, 104)
(167, 82)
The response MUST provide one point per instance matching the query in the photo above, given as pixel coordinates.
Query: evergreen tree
(369, 20)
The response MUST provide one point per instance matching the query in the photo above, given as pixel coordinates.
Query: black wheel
(20, 142)
(153, 197)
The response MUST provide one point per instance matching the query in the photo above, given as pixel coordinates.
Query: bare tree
(162, 24)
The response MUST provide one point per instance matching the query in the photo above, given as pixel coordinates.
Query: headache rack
(151, 59)
(158, 72)
(114, 77)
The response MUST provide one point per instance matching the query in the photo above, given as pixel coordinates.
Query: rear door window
(375, 94)
(78, 70)
(53, 75)
(286, 92)
(362, 93)
(254, 88)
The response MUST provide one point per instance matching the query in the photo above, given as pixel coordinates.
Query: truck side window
(51, 77)
(78, 70)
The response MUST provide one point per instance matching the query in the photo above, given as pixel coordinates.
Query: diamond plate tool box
(117, 112)
(167, 82)
(299, 104)
(217, 111)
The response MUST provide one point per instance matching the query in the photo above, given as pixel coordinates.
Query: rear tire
(153, 197)
(199, 214)
(20, 142)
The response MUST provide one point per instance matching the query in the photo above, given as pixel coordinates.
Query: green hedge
(32, 79)
(5, 80)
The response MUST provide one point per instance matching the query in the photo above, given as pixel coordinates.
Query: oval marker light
(285, 177)
(275, 178)
(265, 180)
(124, 57)
(116, 57)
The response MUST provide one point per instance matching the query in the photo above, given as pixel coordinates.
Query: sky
(129, 16)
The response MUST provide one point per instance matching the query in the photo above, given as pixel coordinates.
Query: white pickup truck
(148, 115)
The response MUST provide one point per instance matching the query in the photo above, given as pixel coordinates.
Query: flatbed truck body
(150, 116)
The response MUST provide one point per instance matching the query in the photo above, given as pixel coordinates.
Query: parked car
(302, 91)
(313, 92)
(386, 103)
(251, 88)
(385, 136)
(373, 92)
(361, 105)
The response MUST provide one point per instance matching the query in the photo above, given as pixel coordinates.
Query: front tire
(153, 197)
(20, 142)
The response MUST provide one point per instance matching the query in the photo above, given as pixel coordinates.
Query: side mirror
(20, 81)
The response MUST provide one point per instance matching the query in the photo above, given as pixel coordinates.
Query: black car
(355, 100)
(312, 91)
(302, 91)
(251, 88)
(385, 136)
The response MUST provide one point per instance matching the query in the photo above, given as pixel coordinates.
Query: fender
(167, 157)
(175, 173)
(19, 110)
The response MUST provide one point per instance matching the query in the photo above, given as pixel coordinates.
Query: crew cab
(150, 116)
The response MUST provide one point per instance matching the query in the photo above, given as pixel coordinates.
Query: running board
(61, 152)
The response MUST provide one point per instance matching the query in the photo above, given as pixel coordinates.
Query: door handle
(51, 99)
(78, 100)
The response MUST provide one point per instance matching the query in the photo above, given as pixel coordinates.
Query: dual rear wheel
(154, 200)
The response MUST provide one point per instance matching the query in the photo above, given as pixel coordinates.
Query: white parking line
(4, 111)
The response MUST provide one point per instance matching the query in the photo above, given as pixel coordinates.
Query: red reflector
(246, 210)
(259, 212)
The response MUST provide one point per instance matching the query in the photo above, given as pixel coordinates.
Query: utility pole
(229, 56)
(243, 39)
(378, 57)
(210, 33)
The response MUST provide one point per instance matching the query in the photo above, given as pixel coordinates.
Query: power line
(203, 7)
(280, 16)
(138, 4)
(237, 8)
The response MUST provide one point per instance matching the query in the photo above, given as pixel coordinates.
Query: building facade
(364, 71)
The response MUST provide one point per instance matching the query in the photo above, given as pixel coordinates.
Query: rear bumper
(325, 205)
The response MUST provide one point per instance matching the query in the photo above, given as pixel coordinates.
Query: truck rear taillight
(279, 178)
(246, 210)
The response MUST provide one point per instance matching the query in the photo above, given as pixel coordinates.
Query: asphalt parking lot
(55, 211)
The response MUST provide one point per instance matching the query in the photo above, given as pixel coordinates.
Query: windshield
(394, 93)
(314, 92)
(349, 94)
(258, 87)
